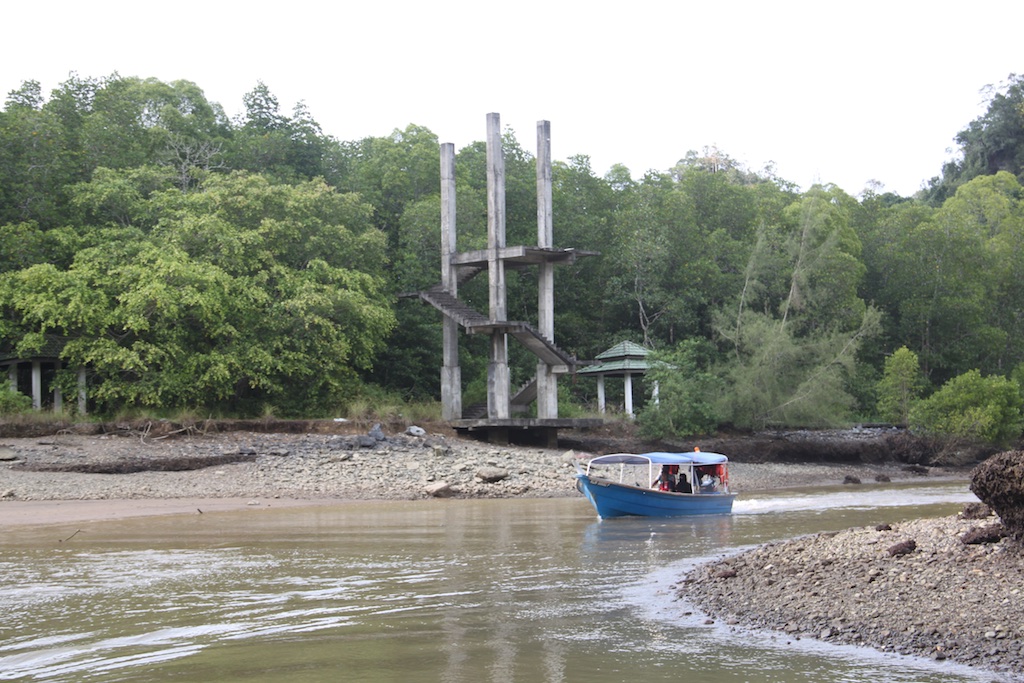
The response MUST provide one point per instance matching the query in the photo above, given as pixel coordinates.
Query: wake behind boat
(657, 484)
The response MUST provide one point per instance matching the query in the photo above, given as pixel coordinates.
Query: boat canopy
(660, 458)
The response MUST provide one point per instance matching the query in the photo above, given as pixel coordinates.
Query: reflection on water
(440, 590)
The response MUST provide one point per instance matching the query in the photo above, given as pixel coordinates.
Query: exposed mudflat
(138, 462)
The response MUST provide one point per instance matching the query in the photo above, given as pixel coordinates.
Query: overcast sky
(840, 92)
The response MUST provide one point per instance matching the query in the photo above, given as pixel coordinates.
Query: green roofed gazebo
(625, 360)
(33, 373)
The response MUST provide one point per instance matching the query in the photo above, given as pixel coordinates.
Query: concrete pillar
(12, 376)
(58, 398)
(600, 394)
(496, 219)
(498, 388)
(451, 372)
(81, 391)
(37, 385)
(628, 391)
(498, 380)
(547, 381)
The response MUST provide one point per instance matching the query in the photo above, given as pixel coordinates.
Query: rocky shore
(410, 464)
(924, 588)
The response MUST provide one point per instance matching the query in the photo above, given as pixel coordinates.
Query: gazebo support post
(37, 385)
(628, 390)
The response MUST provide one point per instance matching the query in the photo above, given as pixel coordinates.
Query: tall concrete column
(37, 385)
(547, 382)
(600, 394)
(498, 389)
(451, 372)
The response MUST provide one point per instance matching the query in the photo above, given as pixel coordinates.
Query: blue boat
(657, 484)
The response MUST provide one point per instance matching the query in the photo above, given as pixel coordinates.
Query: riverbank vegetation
(252, 265)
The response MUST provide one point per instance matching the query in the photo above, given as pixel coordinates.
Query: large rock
(377, 433)
(490, 475)
(999, 483)
(439, 489)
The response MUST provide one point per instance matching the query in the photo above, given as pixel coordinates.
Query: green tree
(687, 392)
(991, 143)
(776, 378)
(35, 161)
(240, 295)
(824, 258)
(975, 407)
(289, 149)
(901, 385)
(951, 278)
(584, 209)
(13, 402)
(794, 329)
(394, 171)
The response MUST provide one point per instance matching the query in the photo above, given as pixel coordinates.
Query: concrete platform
(521, 430)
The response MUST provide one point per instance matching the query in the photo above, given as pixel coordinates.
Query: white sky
(841, 92)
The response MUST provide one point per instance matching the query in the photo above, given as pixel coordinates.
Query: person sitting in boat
(666, 481)
(706, 479)
(683, 485)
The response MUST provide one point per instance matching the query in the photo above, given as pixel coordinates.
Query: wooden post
(12, 375)
(451, 372)
(498, 388)
(547, 382)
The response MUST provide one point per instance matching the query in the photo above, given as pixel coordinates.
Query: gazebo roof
(626, 349)
(624, 357)
(51, 349)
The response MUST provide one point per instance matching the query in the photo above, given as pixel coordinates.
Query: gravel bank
(936, 597)
(356, 467)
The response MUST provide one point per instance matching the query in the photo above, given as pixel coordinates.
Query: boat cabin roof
(661, 458)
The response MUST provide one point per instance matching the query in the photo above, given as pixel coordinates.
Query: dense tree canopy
(186, 259)
(991, 143)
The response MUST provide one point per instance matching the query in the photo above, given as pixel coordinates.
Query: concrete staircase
(476, 323)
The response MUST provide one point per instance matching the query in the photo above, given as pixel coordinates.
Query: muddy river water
(453, 591)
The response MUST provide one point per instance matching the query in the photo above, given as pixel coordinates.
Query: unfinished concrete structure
(457, 268)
